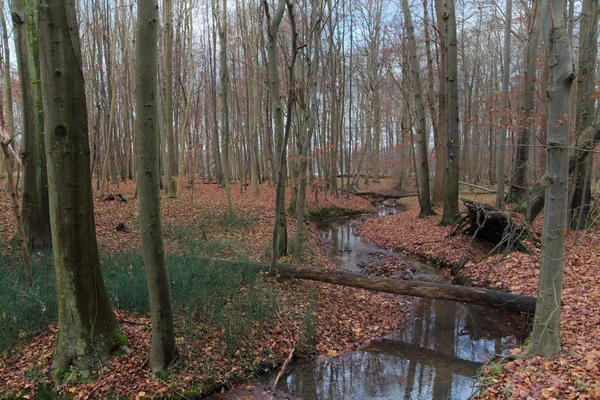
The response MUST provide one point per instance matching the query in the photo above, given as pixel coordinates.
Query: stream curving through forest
(435, 355)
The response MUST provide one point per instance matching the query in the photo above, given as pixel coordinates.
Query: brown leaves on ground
(572, 374)
(346, 318)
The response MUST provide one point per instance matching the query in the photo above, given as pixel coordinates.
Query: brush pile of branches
(507, 230)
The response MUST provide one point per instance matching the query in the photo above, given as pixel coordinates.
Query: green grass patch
(223, 296)
(25, 308)
(199, 241)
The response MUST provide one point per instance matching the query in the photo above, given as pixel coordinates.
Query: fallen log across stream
(430, 290)
(385, 195)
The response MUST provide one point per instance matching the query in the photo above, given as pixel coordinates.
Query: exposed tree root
(507, 230)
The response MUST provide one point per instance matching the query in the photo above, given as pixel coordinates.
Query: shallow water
(435, 355)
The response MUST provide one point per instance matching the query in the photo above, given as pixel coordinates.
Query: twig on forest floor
(130, 322)
(283, 367)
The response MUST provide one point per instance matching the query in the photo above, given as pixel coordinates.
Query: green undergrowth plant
(25, 308)
(224, 296)
(233, 221)
(195, 240)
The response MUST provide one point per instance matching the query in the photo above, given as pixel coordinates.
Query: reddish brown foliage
(575, 372)
(346, 317)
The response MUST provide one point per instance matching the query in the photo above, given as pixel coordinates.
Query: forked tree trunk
(162, 352)
(36, 217)
(87, 325)
(313, 73)
(424, 199)
(545, 337)
(279, 225)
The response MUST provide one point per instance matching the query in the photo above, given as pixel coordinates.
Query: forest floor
(310, 317)
(572, 374)
(345, 318)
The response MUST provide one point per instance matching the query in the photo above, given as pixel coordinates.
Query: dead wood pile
(507, 230)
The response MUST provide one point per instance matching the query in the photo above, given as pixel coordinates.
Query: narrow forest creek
(437, 353)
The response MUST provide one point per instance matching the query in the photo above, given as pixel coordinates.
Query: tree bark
(505, 109)
(171, 161)
(162, 352)
(585, 104)
(12, 189)
(518, 184)
(279, 225)
(430, 290)
(588, 139)
(87, 325)
(36, 216)
(451, 210)
(224, 88)
(545, 337)
(440, 142)
(313, 73)
(424, 199)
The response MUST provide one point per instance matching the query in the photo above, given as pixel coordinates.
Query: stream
(435, 355)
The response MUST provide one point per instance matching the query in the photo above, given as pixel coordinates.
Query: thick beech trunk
(87, 326)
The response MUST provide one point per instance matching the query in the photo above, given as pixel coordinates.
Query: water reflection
(346, 246)
(435, 356)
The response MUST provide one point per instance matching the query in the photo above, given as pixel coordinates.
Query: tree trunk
(505, 109)
(279, 225)
(171, 161)
(313, 73)
(224, 86)
(441, 150)
(588, 139)
(112, 116)
(545, 337)
(518, 184)
(87, 326)
(585, 104)
(452, 138)
(186, 130)
(12, 189)
(36, 217)
(424, 199)
(430, 290)
(162, 351)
